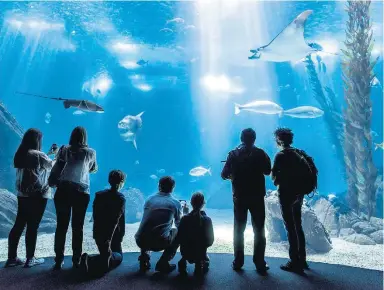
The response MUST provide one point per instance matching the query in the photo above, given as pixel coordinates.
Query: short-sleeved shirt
(161, 210)
(78, 164)
(32, 181)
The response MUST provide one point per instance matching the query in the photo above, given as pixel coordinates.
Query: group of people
(166, 224)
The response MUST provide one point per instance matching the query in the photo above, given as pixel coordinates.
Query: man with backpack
(246, 167)
(295, 174)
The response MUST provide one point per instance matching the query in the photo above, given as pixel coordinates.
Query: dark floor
(221, 276)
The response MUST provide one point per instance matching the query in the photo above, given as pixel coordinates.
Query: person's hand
(53, 150)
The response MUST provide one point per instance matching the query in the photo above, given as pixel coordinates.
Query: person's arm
(93, 166)
(122, 221)
(226, 173)
(276, 169)
(209, 233)
(267, 164)
(178, 215)
(45, 162)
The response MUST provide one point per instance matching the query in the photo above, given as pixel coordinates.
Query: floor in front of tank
(343, 252)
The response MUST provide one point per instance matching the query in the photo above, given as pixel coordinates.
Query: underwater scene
(165, 88)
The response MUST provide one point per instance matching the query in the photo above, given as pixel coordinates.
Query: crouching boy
(108, 227)
(195, 236)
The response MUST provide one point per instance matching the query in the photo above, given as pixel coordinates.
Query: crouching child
(195, 236)
(108, 227)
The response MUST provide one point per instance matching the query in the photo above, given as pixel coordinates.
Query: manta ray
(289, 44)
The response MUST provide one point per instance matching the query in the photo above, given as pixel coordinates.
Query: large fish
(129, 126)
(305, 112)
(263, 107)
(83, 105)
(289, 44)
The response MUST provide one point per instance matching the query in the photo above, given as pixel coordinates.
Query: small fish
(142, 62)
(200, 171)
(137, 162)
(304, 112)
(331, 196)
(374, 134)
(161, 171)
(47, 118)
(381, 145)
(154, 177)
(78, 113)
(263, 107)
(375, 82)
(176, 20)
(356, 125)
(189, 27)
(167, 30)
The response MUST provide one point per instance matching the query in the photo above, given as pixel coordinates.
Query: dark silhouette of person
(245, 167)
(195, 235)
(155, 232)
(72, 194)
(32, 170)
(108, 227)
(284, 176)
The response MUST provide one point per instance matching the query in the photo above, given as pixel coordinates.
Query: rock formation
(317, 237)
(8, 210)
(10, 136)
(343, 222)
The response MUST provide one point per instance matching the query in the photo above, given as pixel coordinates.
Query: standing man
(293, 183)
(245, 167)
(155, 233)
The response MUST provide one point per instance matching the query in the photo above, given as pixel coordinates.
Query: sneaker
(145, 264)
(262, 270)
(165, 267)
(201, 268)
(84, 262)
(291, 267)
(33, 262)
(236, 266)
(14, 262)
(58, 266)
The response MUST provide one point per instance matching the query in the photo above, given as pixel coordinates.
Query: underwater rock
(377, 222)
(327, 214)
(12, 132)
(346, 232)
(364, 228)
(359, 239)
(316, 236)
(134, 205)
(378, 236)
(8, 210)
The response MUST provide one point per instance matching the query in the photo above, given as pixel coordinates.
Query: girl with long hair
(72, 194)
(32, 169)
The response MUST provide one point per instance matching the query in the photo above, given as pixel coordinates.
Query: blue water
(183, 125)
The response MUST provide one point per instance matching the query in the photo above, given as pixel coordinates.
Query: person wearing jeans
(285, 175)
(32, 169)
(155, 232)
(72, 194)
(108, 227)
(246, 167)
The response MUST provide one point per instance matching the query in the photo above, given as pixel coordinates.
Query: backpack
(307, 173)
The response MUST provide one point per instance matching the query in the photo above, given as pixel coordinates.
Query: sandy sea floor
(344, 253)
